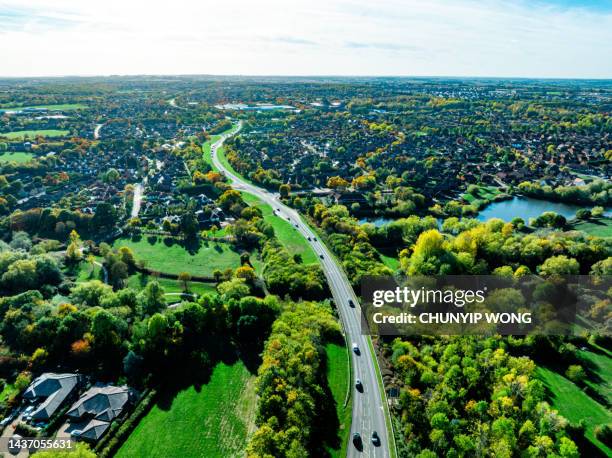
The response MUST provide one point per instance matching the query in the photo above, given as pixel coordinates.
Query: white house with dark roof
(53, 390)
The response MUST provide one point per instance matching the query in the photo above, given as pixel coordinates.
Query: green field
(338, 380)
(58, 107)
(139, 281)
(19, 157)
(575, 405)
(287, 235)
(215, 421)
(600, 227)
(34, 133)
(173, 258)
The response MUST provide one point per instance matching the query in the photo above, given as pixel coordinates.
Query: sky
(510, 38)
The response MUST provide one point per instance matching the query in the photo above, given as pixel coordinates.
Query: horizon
(304, 76)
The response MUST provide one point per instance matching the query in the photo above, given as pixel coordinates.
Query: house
(100, 402)
(53, 390)
(92, 414)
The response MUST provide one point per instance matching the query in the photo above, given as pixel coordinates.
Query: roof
(91, 430)
(55, 388)
(101, 402)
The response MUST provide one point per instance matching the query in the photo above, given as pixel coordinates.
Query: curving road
(368, 407)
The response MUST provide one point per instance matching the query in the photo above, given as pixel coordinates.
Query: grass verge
(338, 379)
(287, 235)
(383, 396)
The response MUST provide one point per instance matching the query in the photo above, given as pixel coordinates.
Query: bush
(25, 430)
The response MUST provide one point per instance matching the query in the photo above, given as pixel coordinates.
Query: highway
(368, 406)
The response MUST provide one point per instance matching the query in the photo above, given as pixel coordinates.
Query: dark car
(375, 439)
(309, 239)
(359, 385)
(321, 256)
(357, 441)
(351, 303)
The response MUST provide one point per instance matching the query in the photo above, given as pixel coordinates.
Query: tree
(185, 278)
(583, 213)
(284, 190)
(152, 298)
(74, 252)
(246, 272)
(337, 183)
(576, 374)
(559, 265)
(39, 358)
(234, 288)
(111, 176)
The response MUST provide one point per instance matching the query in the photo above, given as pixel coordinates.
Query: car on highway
(309, 239)
(321, 256)
(356, 349)
(375, 439)
(357, 442)
(351, 303)
(359, 385)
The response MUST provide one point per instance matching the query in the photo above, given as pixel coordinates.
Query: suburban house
(93, 413)
(53, 390)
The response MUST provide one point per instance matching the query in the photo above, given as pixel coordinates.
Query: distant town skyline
(543, 39)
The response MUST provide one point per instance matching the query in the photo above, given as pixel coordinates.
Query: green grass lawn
(287, 235)
(601, 227)
(391, 262)
(484, 192)
(87, 272)
(139, 281)
(338, 380)
(173, 258)
(34, 133)
(600, 366)
(575, 405)
(19, 157)
(215, 421)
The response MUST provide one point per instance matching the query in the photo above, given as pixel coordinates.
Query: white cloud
(314, 37)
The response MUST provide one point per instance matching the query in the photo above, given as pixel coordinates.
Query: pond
(378, 222)
(527, 207)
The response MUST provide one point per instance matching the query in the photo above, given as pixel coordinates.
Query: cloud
(384, 46)
(557, 38)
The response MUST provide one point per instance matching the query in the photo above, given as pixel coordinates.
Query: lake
(527, 207)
